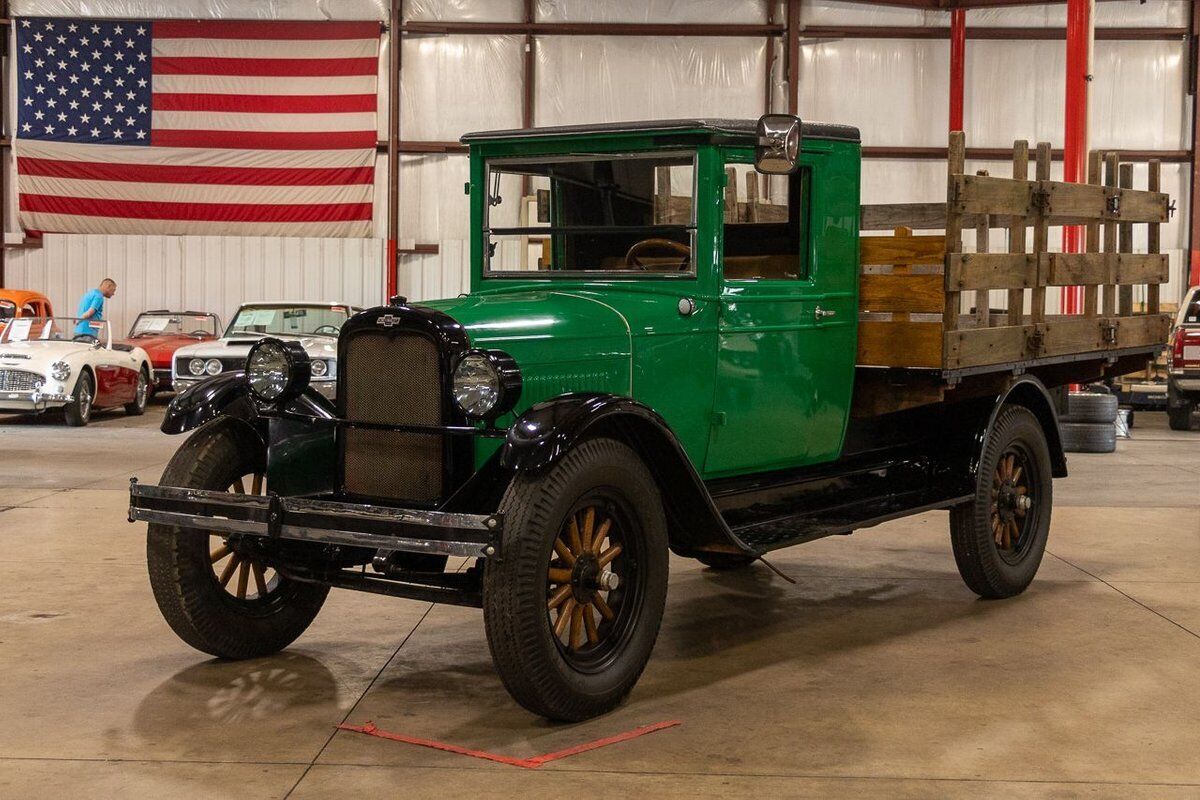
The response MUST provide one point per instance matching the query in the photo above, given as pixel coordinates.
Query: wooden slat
(662, 195)
(973, 347)
(1091, 294)
(983, 300)
(1084, 201)
(976, 194)
(1041, 235)
(1097, 269)
(956, 163)
(731, 202)
(885, 250)
(751, 196)
(887, 216)
(1110, 236)
(1153, 240)
(1125, 244)
(1016, 234)
(1013, 271)
(915, 294)
(899, 344)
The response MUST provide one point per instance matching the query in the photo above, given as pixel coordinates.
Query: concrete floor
(878, 675)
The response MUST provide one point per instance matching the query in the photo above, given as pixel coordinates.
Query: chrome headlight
(277, 371)
(487, 383)
(196, 366)
(320, 368)
(212, 366)
(60, 370)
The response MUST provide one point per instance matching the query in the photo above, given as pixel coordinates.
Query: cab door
(787, 325)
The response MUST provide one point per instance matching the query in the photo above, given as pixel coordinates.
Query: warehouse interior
(856, 666)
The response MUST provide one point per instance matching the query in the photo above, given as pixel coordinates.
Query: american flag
(196, 127)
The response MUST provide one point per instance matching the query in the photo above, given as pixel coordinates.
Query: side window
(766, 224)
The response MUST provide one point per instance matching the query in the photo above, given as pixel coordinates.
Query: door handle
(821, 313)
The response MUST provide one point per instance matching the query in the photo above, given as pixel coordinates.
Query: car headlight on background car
(212, 366)
(196, 366)
(486, 384)
(277, 371)
(60, 370)
(320, 368)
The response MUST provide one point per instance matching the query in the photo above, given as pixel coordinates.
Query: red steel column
(391, 259)
(958, 66)
(1080, 36)
(1194, 204)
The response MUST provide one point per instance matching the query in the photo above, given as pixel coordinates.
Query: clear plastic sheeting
(433, 205)
(597, 79)
(464, 10)
(1148, 14)
(644, 11)
(454, 84)
(896, 91)
(204, 9)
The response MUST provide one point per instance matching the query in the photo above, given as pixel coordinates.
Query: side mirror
(777, 151)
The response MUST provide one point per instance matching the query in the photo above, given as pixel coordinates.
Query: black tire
(1091, 407)
(726, 562)
(1088, 437)
(78, 412)
(138, 406)
(189, 594)
(1004, 568)
(545, 675)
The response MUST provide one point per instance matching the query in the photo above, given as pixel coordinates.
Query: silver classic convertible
(314, 325)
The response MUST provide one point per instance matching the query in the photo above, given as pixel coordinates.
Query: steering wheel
(333, 329)
(640, 248)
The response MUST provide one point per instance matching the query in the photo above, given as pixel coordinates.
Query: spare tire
(1085, 437)
(1091, 407)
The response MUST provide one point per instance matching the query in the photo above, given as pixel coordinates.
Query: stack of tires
(1089, 425)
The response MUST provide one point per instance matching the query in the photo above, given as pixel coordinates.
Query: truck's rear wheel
(573, 605)
(1000, 536)
(217, 593)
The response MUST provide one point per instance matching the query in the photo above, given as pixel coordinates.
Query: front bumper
(328, 389)
(162, 380)
(32, 401)
(320, 521)
(1186, 380)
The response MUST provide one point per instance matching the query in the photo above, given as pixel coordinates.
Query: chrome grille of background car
(19, 380)
(392, 379)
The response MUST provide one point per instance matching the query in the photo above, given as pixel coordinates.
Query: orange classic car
(161, 333)
(16, 303)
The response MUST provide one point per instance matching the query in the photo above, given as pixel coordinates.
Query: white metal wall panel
(198, 273)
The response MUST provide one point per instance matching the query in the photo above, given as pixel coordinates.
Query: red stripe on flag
(264, 67)
(229, 29)
(224, 176)
(264, 140)
(265, 103)
(195, 212)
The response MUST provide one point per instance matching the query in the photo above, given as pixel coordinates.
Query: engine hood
(161, 348)
(238, 346)
(561, 340)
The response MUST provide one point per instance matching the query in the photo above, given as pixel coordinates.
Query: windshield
(1191, 313)
(625, 214)
(289, 320)
(54, 329)
(155, 323)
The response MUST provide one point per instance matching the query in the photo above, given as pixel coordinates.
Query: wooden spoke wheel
(235, 566)
(584, 582)
(1012, 501)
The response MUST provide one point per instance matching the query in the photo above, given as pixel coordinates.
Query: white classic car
(315, 325)
(59, 362)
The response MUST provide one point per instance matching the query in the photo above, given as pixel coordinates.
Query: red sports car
(161, 333)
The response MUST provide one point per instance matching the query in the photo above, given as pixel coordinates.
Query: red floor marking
(525, 763)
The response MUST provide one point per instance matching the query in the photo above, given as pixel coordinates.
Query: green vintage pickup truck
(672, 344)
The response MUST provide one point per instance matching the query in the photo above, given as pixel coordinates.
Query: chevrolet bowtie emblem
(388, 321)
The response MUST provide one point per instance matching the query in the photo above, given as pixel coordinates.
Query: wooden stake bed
(913, 312)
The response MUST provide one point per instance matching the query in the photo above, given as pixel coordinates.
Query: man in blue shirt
(91, 307)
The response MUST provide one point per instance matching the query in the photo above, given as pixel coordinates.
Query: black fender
(1027, 392)
(548, 430)
(223, 395)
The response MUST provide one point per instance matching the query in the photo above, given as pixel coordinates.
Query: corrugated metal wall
(199, 273)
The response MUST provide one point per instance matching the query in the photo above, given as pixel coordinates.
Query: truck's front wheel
(573, 604)
(999, 537)
(218, 593)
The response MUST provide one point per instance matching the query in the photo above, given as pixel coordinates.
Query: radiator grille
(393, 379)
(19, 380)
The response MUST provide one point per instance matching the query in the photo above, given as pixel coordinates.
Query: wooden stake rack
(912, 286)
